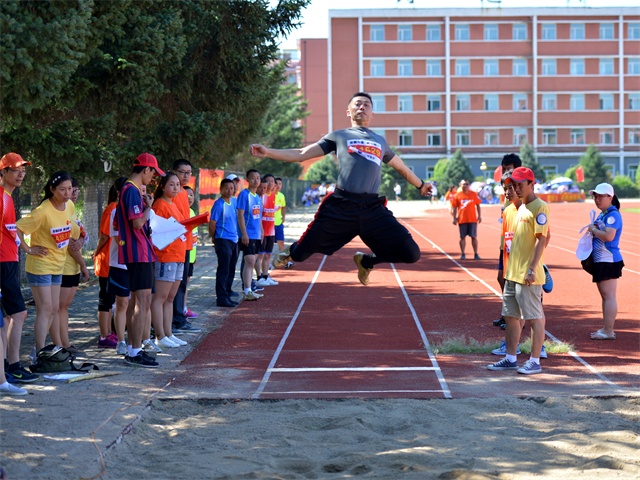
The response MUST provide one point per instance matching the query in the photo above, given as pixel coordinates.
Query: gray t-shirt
(360, 155)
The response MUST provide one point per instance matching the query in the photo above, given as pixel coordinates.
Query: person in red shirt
(263, 259)
(467, 217)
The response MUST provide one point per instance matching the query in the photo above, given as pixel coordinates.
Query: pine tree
(529, 160)
(457, 169)
(595, 171)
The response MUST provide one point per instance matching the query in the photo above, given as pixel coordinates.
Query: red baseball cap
(522, 174)
(148, 160)
(13, 160)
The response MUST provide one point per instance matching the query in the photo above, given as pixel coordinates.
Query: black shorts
(468, 229)
(70, 281)
(267, 244)
(251, 249)
(118, 282)
(190, 269)
(141, 276)
(12, 300)
(501, 261)
(601, 271)
(105, 298)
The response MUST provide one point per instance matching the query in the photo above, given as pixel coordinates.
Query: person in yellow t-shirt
(51, 227)
(524, 275)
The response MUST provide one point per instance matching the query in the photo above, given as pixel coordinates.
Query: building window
(549, 66)
(376, 68)
(519, 31)
(634, 66)
(606, 31)
(519, 101)
(462, 32)
(634, 137)
(576, 66)
(376, 33)
(549, 136)
(433, 33)
(463, 102)
(520, 67)
(462, 137)
(405, 33)
(491, 102)
(606, 66)
(491, 31)
(634, 101)
(548, 31)
(606, 101)
(463, 69)
(405, 68)
(549, 102)
(576, 31)
(405, 138)
(634, 31)
(550, 170)
(491, 137)
(606, 137)
(577, 136)
(433, 103)
(378, 103)
(519, 136)
(434, 68)
(434, 139)
(491, 68)
(577, 102)
(405, 103)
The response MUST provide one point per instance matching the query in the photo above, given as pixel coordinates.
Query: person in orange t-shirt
(170, 265)
(467, 217)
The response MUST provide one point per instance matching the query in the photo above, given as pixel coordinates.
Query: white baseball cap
(603, 189)
(232, 176)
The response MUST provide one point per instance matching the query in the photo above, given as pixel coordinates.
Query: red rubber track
(321, 334)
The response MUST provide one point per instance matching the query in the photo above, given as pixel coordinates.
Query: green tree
(457, 169)
(388, 181)
(439, 169)
(323, 171)
(625, 187)
(529, 160)
(595, 171)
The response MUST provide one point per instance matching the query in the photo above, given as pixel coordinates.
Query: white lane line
(423, 336)
(573, 354)
(353, 369)
(276, 354)
(343, 392)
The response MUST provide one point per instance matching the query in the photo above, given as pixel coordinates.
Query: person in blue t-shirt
(605, 263)
(250, 229)
(223, 229)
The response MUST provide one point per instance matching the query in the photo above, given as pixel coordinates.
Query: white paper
(63, 376)
(164, 231)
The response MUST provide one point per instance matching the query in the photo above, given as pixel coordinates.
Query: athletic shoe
(503, 364)
(121, 348)
(363, 273)
(234, 294)
(226, 303)
(142, 359)
(175, 339)
(463, 257)
(476, 257)
(191, 314)
(150, 346)
(499, 322)
(251, 296)
(271, 281)
(543, 352)
(188, 328)
(113, 335)
(74, 350)
(530, 368)
(548, 281)
(262, 282)
(21, 375)
(502, 349)
(107, 342)
(280, 259)
(8, 389)
(166, 342)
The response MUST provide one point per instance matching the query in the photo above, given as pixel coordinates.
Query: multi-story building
(484, 81)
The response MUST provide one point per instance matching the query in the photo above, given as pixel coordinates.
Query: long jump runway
(321, 334)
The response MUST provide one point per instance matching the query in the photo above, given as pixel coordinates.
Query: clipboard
(193, 222)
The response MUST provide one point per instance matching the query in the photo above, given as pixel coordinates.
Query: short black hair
(179, 163)
(251, 170)
(361, 94)
(225, 181)
(511, 159)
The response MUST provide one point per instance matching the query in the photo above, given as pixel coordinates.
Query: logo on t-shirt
(367, 149)
(61, 235)
(611, 221)
(541, 219)
(255, 211)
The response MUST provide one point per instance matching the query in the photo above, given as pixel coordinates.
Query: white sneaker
(150, 346)
(166, 342)
(263, 282)
(121, 348)
(175, 339)
(272, 281)
(251, 296)
(7, 389)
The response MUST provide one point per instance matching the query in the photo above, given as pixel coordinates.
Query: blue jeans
(227, 252)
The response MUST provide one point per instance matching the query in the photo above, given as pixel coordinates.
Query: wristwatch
(531, 272)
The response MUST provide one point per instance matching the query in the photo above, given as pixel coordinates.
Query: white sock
(130, 349)
(135, 351)
(247, 290)
(512, 358)
(535, 360)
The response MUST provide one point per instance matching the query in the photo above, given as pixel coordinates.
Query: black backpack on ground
(55, 359)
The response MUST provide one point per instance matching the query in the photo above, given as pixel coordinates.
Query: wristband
(421, 185)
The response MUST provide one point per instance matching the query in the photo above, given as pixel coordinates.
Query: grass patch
(471, 345)
(630, 210)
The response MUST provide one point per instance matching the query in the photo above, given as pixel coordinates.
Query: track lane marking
(573, 354)
(343, 392)
(352, 369)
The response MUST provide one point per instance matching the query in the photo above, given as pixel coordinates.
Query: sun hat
(603, 189)
(13, 160)
(148, 160)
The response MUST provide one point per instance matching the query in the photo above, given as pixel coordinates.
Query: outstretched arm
(290, 155)
(400, 167)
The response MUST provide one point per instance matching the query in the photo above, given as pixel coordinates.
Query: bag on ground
(55, 359)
